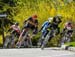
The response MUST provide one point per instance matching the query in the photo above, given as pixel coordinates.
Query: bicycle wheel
(20, 43)
(45, 40)
(6, 43)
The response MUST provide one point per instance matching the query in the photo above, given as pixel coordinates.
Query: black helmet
(17, 23)
(57, 19)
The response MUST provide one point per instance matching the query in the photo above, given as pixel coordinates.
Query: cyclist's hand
(35, 25)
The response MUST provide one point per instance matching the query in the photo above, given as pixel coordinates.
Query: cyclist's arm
(32, 23)
(41, 28)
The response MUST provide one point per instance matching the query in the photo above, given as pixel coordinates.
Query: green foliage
(71, 44)
(44, 9)
(35, 39)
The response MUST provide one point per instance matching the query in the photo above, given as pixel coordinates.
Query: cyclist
(15, 32)
(15, 29)
(55, 25)
(45, 26)
(68, 26)
(30, 23)
(67, 31)
(53, 29)
(44, 30)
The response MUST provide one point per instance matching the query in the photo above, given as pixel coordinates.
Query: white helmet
(50, 19)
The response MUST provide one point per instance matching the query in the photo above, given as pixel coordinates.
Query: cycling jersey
(15, 28)
(68, 27)
(45, 26)
(31, 26)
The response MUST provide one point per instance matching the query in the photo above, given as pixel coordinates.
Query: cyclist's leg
(12, 41)
(44, 35)
(45, 40)
(41, 38)
(29, 41)
(21, 37)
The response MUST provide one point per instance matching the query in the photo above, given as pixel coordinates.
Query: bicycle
(66, 38)
(10, 40)
(25, 41)
(49, 36)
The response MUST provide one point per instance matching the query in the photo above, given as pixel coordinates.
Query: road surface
(36, 52)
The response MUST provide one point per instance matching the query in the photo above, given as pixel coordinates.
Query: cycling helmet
(34, 16)
(50, 19)
(59, 16)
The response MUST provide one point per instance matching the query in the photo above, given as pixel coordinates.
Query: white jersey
(16, 28)
(68, 27)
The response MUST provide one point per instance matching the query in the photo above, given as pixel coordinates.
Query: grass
(71, 44)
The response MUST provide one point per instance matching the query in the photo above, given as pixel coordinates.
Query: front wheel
(19, 44)
(45, 41)
(6, 43)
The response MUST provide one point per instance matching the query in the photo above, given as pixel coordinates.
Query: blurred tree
(10, 2)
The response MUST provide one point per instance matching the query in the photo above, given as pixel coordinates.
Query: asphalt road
(36, 52)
